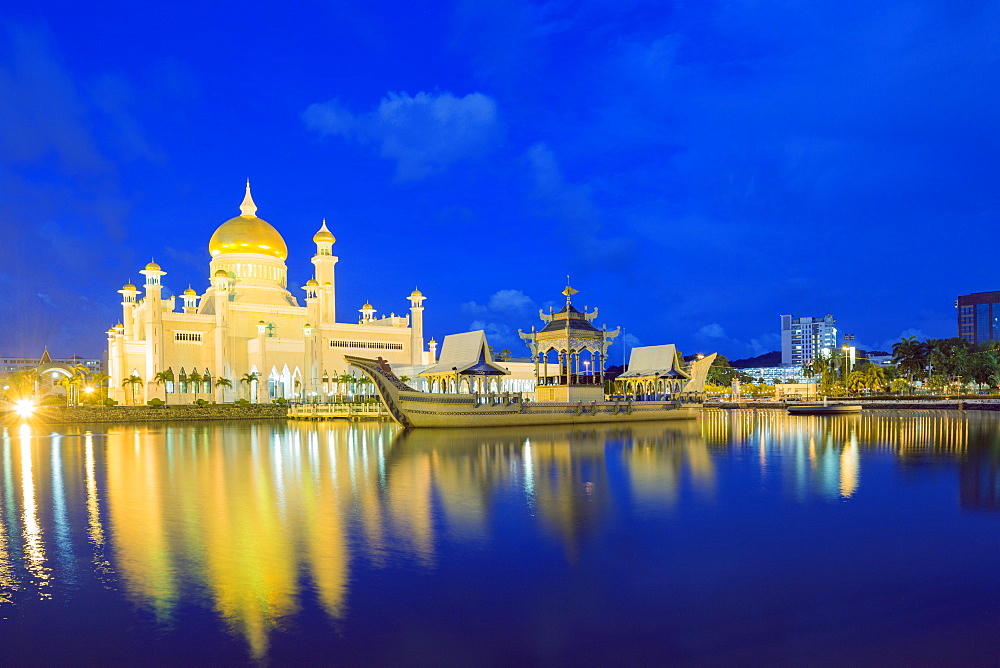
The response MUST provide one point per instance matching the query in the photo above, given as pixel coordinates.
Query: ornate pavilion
(569, 353)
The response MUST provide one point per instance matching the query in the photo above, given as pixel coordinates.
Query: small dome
(312, 282)
(221, 274)
(152, 266)
(261, 323)
(129, 286)
(190, 291)
(119, 326)
(367, 306)
(324, 235)
(416, 293)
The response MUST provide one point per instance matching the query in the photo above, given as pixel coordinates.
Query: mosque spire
(248, 207)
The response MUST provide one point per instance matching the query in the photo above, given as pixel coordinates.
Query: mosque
(248, 325)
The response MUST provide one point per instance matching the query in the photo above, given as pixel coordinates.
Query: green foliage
(155, 402)
(201, 403)
(241, 402)
(280, 401)
(108, 401)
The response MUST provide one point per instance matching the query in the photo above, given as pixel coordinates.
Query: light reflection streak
(64, 544)
(34, 545)
(95, 531)
(8, 579)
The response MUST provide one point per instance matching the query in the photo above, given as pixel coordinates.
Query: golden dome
(324, 235)
(247, 233)
(129, 286)
(416, 293)
(152, 266)
(311, 282)
(221, 274)
(190, 291)
(369, 306)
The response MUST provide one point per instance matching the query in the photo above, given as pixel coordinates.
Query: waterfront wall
(86, 414)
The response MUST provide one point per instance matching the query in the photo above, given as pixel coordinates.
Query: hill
(772, 358)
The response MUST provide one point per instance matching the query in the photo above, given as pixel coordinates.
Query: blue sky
(698, 168)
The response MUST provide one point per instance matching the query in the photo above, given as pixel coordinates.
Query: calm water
(743, 537)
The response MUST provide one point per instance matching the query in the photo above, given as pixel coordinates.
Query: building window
(188, 337)
(366, 345)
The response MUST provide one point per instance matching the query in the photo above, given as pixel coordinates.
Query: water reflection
(260, 521)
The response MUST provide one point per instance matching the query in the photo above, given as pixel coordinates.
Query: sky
(697, 168)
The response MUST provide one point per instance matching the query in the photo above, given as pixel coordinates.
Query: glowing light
(25, 408)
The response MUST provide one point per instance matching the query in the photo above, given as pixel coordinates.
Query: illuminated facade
(247, 322)
(979, 317)
(804, 338)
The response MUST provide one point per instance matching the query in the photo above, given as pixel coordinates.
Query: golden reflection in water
(8, 579)
(34, 545)
(245, 514)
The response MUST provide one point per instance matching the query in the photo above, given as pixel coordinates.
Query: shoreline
(883, 404)
(92, 414)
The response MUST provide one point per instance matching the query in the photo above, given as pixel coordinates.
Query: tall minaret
(416, 327)
(128, 293)
(324, 260)
(153, 324)
(220, 296)
(310, 336)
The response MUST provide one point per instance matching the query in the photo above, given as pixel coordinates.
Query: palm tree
(345, 380)
(249, 379)
(68, 382)
(164, 377)
(909, 356)
(223, 383)
(195, 379)
(132, 380)
(100, 382)
(22, 383)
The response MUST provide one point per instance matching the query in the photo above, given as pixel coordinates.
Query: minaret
(129, 293)
(191, 301)
(310, 336)
(263, 374)
(416, 327)
(153, 324)
(324, 261)
(367, 313)
(311, 374)
(220, 297)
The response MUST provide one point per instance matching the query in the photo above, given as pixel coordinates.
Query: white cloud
(424, 133)
(712, 331)
(510, 300)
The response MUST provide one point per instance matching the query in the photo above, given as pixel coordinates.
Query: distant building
(804, 338)
(777, 374)
(49, 370)
(979, 317)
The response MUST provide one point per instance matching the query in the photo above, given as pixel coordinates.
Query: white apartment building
(804, 338)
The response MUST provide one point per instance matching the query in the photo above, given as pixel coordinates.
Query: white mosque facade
(248, 323)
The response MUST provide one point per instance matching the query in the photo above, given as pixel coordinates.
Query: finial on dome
(248, 207)
(324, 235)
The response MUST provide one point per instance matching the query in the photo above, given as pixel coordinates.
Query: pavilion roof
(654, 362)
(466, 354)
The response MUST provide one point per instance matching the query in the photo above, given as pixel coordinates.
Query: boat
(413, 408)
(824, 409)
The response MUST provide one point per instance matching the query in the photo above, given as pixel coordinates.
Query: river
(742, 537)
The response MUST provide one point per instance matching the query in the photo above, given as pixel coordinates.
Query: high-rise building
(979, 317)
(804, 338)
